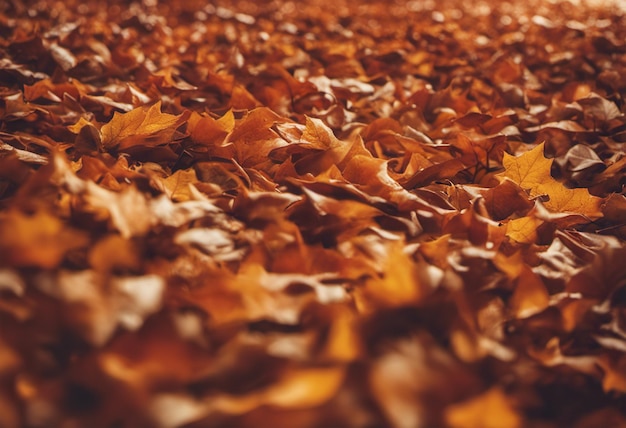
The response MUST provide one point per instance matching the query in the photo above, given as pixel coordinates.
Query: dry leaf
(38, 240)
(324, 215)
(531, 171)
(144, 126)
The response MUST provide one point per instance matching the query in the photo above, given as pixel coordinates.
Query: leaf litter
(405, 214)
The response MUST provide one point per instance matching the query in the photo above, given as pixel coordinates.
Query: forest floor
(317, 214)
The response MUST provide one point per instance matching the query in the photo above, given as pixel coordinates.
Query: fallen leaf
(145, 126)
(524, 229)
(177, 184)
(489, 409)
(530, 296)
(38, 240)
(531, 171)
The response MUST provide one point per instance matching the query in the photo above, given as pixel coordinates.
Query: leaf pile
(312, 214)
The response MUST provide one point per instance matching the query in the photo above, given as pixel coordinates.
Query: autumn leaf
(506, 199)
(218, 214)
(531, 171)
(113, 251)
(599, 108)
(298, 388)
(530, 295)
(209, 131)
(524, 229)
(398, 283)
(38, 240)
(491, 409)
(177, 184)
(145, 126)
(253, 139)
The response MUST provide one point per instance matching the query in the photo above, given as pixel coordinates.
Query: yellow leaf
(177, 184)
(307, 387)
(523, 230)
(343, 343)
(227, 122)
(436, 251)
(136, 126)
(511, 265)
(577, 201)
(531, 171)
(398, 283)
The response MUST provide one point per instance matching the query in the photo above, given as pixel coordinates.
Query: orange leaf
(399, 283)
(145, 126)
(491, 409)
(39, 240)
(298, 388)
(530, 296)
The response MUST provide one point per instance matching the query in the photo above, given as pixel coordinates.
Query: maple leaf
(145, 126)
(177, 184)
(531, 171)
(523, 229)
(252, 139)
(215, 215)
(208, 131)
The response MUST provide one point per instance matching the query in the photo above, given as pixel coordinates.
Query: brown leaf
(599, 108)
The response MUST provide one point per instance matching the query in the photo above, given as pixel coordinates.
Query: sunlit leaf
(383, 214)
(523, 229)
(146, 126)
(531, 171)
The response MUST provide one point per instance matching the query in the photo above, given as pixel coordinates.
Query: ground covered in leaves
(327, 214)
